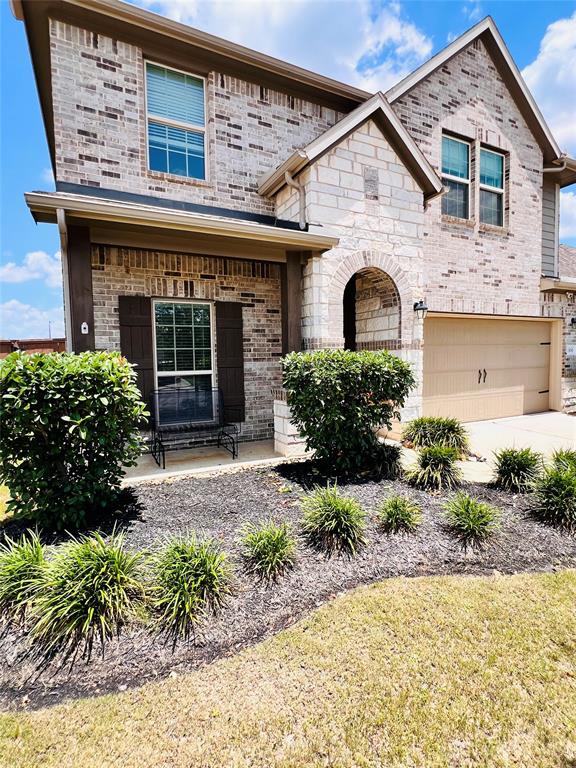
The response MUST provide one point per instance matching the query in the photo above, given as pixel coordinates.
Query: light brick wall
(100, 125)
(256, 284)
(469, 267)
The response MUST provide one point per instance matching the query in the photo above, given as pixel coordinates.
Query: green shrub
(436, 469)
(427, 431)
(399, 513)
(332, 522)
(191, 578)
(269, 549)
(70, 422)
(339, 399)
(472, 520)
(516, 469)
(90, 589)
(22, 567)
(555, 495)
(564, 458)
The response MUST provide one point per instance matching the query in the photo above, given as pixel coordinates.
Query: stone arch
(371, 263)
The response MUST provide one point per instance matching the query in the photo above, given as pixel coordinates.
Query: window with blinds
(176, 122)
(456, 177)
(491, 187)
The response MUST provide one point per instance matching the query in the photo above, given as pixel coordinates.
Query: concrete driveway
(543, 432)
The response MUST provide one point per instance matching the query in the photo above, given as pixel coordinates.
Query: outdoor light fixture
(421, 309)
(573, 321)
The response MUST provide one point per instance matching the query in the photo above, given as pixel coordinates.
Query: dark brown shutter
(136, 339)
(230, 357)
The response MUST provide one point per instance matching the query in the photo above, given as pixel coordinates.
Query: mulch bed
(218, 506)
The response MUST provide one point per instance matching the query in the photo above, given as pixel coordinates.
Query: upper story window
(491, 187)
(456, 177)
(176, 122)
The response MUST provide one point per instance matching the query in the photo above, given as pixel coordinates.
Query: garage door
(485, 369)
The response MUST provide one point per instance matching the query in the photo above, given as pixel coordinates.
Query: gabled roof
(378, 109)
(492, 39)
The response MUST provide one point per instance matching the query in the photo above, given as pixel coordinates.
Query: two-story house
(218, 207)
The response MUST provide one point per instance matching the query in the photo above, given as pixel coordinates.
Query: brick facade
(468, 266)
(359, 190)
(100, 125)
(256, 284)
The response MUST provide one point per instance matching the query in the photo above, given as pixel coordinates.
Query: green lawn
(424, 672)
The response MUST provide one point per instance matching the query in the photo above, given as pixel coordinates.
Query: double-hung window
(176, 122)
(183, 336)
(456, 177)
(491, 187)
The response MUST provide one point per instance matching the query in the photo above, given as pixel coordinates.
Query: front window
(176, 122)
(456, 177)
(184, 355)
(491, 188)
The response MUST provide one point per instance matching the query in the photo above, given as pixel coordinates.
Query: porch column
(291, 299)
(80, 289)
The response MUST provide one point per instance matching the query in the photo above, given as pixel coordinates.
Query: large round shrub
(339, 399)
(69, 425)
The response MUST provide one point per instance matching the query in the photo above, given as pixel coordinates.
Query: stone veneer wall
(256, 284)
(470, 267)
(100, 125)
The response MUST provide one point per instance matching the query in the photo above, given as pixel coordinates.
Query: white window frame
(193, 128)
(159, 374)
(458, 179)
(497, 190)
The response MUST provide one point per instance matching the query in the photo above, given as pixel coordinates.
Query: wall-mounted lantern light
(573, 321)
(421, 309)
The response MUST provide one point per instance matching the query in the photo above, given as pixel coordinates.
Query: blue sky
(372, 43)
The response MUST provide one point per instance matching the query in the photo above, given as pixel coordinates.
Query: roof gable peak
(488, 32)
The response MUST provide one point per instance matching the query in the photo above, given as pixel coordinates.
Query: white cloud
(567, 215)
(352, 40)
(23, 321)
(47, 176)
(550, 77)
(37, 265)
(472, 10)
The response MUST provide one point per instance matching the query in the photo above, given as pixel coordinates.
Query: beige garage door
(485, 369)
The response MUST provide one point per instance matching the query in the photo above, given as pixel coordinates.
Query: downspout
(559, 169)
(301, 197)
(63, 230)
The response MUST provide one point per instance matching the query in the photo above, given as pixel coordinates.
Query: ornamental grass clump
(90, 589)
(190, 579)
(517, 469)
(399, 514)
(22, 570)
(436, 469)
(471, 519)
(70, 424)
(427, 431)
(268, 549)
(564, 458)
(555, 497)
(333, 523)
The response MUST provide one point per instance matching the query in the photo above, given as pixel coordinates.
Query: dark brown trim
(349, 302)
(81, 296)
(291, 301)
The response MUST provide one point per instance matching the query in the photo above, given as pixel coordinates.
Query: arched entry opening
(372, 311)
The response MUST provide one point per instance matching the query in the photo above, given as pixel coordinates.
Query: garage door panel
(515, 355)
